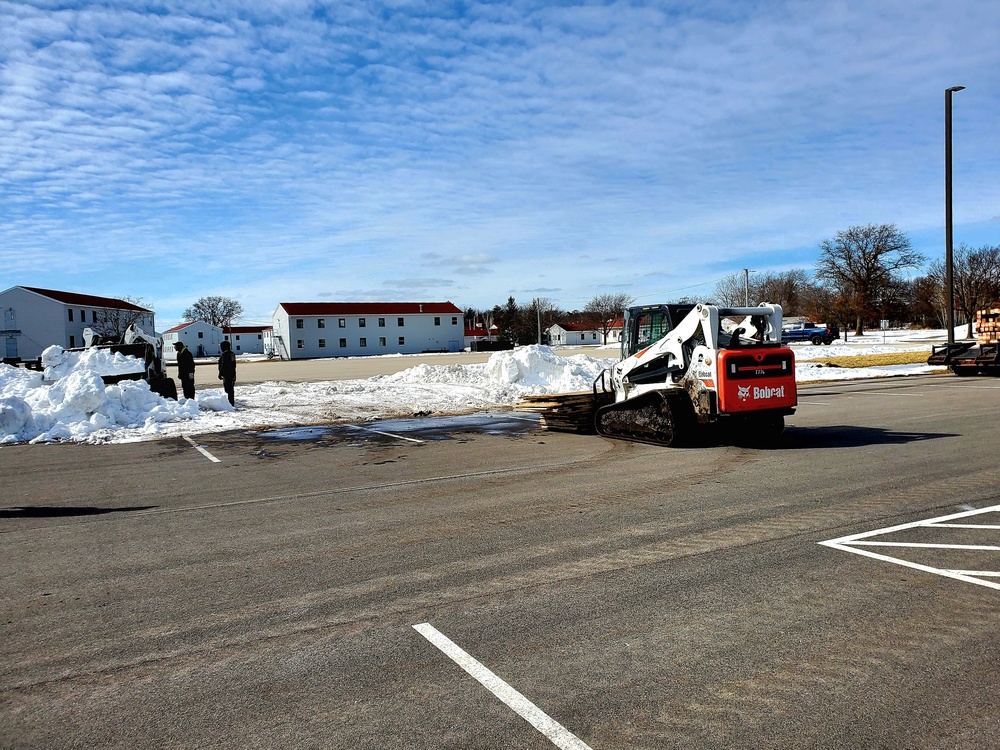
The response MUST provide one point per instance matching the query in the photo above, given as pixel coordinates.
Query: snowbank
(70, 401)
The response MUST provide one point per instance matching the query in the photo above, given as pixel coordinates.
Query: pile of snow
(71, 402)
(59, 363)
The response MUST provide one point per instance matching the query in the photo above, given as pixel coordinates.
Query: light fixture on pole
(949, 274)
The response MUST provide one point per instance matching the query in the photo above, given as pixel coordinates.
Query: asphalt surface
(637, 597)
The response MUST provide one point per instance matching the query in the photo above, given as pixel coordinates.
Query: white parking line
(854, 542)
(201, 449)
(556, 732)
(387, 434)
(928, 546)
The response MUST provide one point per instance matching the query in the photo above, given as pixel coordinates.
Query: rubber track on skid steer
(658, 418)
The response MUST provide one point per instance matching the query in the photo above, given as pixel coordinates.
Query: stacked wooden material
(564, 412)
(988, 325)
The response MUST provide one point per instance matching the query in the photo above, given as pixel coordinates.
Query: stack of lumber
(563, 412)
(988, 325)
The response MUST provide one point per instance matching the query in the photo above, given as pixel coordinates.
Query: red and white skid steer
(685, 365)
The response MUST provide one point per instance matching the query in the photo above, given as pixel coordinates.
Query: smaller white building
(582, 334)
(247, 339)
(573, 334)
(203, 339)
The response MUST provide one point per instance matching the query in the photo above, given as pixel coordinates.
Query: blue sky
(426, 151)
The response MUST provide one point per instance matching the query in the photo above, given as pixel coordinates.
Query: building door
(9, 323)
(11, 348)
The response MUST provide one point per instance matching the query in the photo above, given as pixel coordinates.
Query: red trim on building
(87, 300)
(370, 308)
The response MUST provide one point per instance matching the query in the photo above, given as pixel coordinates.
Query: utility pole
(746, 286)
(949, 272)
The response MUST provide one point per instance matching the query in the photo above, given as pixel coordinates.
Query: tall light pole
(746, 286)
(949, 274)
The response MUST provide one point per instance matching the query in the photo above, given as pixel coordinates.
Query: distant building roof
(369, 308)
(178, 327)
(88, 300)
(246, 329)
(480, 331)
(576, 327)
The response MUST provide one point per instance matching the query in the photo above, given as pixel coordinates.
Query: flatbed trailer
(967, 358)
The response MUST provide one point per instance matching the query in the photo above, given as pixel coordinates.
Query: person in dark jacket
(227, 371)
(185, 368)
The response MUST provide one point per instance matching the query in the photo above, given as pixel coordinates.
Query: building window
(341, 322)
(201, 334)
(258, 337)
(83, 316)
(381, 322)
(321, 323)
(454, 320)
(237, 337)
(343, 343)
(402, 341)
(437, 320)
(322, 343)
(364, 343)
(299, 323)
(399, 322)
(70, 311)
(237, 347)
(72, 341)
(361, 322)
(381, 340)
(300, 344)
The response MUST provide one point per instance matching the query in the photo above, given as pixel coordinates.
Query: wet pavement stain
(421, 429)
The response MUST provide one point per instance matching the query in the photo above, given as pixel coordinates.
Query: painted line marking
(853, 542)
(882, 393)
(387, 434)
(984, 573)
(961, 526)
(929, 546)
(556, 732)
(201, 449)
(814, 403)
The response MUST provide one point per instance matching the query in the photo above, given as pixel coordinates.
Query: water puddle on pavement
(414, 428)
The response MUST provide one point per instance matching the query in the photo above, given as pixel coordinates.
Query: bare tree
(976, 276)
(785, 288)
(217, 311)
(112, 322)
(604, 309)
(861, 262)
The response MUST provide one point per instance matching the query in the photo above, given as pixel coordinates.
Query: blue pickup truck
(811, 332)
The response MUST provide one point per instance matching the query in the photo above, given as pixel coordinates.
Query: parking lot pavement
(633, 597)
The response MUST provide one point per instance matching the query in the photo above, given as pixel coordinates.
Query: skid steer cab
(683, 366)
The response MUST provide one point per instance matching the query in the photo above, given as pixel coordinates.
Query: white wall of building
(203, 339)
(356, 335)
(246, 339)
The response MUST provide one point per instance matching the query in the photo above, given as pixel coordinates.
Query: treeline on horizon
(859, 279)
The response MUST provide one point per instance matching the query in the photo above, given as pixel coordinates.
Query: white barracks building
(305, 330)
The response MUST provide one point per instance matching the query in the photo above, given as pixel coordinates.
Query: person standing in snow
(185, 368)
(227, 371)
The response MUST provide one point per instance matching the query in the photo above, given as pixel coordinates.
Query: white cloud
(326, 146)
